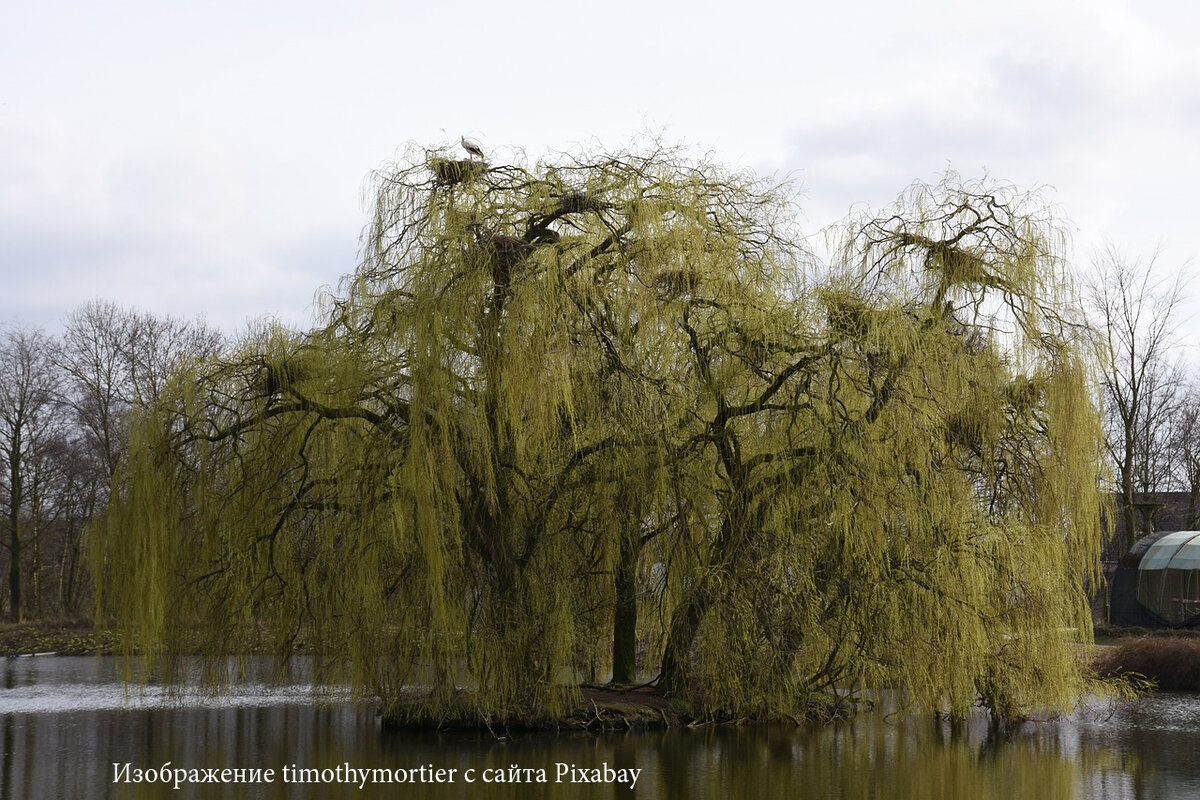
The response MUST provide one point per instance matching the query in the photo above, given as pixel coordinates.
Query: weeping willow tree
(567, 409)
(446, 484)
(966, 483)
(893, 481)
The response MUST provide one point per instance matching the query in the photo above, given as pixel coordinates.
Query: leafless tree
(64, 406)
(98, 383)
(30, 420)
(1154, 454)
(1135, 306)
(1184, 447)
(116, 359)
(112, 360)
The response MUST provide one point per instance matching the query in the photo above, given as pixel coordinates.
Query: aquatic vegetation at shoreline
(1171, 664)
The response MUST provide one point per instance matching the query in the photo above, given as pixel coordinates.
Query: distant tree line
(65, 403)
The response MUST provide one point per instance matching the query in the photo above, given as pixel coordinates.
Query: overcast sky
(210, 158)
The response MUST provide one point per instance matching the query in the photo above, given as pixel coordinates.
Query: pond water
(69, 728)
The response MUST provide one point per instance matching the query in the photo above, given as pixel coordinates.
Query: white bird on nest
(472, 147)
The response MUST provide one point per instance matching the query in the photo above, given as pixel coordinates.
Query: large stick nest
(450, 172)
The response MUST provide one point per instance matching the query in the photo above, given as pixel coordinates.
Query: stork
(472, 147)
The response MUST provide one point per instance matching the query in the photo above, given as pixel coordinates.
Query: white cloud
(211, 158)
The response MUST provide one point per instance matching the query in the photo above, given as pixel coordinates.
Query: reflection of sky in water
(48, 684)
(65, 721)
(116, 696)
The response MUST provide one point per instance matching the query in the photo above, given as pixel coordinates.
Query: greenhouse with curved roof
(1156, 583)
(1168, 585)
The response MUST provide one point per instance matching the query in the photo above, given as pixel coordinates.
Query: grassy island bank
(64, 637)
(621, 708)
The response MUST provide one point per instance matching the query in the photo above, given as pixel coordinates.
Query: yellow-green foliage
(887, 479)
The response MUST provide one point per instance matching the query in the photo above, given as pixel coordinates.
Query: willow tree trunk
(625, 612)
(685, 624)
(689, 614)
